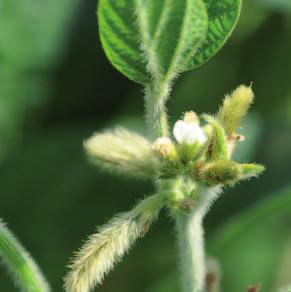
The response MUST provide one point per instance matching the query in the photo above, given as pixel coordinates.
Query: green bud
(191, 117)
(218, 144)
(234, 108)
(221, 172)
(169, 169)
(165, 148)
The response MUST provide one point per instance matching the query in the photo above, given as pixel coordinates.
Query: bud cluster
(197, 155)
(189, 168)
(201, 148)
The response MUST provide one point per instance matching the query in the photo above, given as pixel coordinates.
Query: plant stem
(190, 235)
(192, 255)
(23, 270)
(155, 106)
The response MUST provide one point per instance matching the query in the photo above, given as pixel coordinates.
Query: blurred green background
(57, 88)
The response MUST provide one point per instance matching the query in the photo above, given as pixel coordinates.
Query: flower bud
(191, 117)
(235, 107)
(165, 148)
(221, 172)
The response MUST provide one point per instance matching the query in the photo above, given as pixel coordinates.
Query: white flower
(189, 133)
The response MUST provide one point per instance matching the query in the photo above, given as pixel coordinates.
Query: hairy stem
(192, 257)
(106, 247)
(190, 235)
(23, 270)
(155, 106)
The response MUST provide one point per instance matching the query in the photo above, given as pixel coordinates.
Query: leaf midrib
(151, 57)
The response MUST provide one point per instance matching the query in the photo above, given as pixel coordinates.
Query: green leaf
(252, 245)
(223, 16)
(23, 270)
(151, 39)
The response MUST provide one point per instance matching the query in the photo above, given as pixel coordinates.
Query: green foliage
(195, 184)
(48, 180)
(151, 39)
(251, 245)
(156, 40)
(21, 267)
(222, 19)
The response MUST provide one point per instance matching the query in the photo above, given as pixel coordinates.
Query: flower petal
(189, 133)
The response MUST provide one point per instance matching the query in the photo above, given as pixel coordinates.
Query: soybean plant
(153, 42)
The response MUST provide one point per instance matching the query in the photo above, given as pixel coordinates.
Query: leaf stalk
(23, 270)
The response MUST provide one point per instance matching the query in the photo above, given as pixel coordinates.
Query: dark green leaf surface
(222, 19)
(151, 39)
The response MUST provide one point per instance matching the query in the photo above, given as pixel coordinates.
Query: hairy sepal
(250, 170)
(218, 144)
